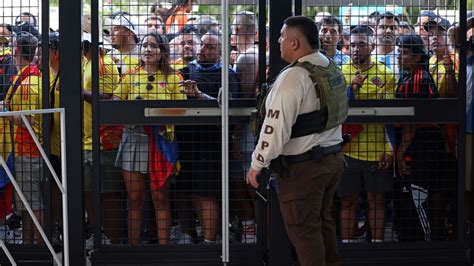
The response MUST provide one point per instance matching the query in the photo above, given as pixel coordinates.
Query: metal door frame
(143, 112)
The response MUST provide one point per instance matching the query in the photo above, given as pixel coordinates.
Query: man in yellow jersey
(189, 42)
(125, 38)
(25, 93)
(111, 181)
(444, 64)
(444, 68)
(369, 155)
(423, 18)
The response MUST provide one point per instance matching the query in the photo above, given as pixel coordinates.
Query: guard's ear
(295, 44)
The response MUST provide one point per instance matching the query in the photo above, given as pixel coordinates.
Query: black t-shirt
(203, 142)
(427, 146)
(416, 84)
(208, 79)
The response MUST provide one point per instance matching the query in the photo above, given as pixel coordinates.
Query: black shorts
(364, 176)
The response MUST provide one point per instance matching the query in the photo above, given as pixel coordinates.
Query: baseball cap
(125, 21)
(404, 24)
(54, 40)
(428, 13)
(437, 21)
(25, 26)
(414, 43)
(425, 16)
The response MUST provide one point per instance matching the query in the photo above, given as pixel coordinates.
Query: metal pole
(46, 119)
(30, 211)
(225, 131)
(62, 124)
(31, 112)
(70, 17)
(7, 252)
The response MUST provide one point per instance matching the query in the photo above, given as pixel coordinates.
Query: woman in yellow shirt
(154, 79)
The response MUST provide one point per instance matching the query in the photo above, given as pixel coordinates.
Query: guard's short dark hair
(27, 43)
(330, 20)
(362, 30)
(306, 27)
(388, 15)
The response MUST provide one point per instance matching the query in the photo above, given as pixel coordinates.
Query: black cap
(437, 22)
(27, 27)
(415, 44)
(54, 40)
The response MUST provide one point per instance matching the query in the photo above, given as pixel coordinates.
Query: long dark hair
(416, 46)
(164, 62)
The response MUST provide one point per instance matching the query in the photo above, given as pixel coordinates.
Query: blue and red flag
(163, 154)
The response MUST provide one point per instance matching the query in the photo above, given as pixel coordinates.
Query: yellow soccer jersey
(372, 141)
(178, 64)
(5, 51)
(129, 62)
(108, 80)
(28, 96)
(137, 87)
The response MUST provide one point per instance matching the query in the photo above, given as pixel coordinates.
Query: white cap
(126, 21)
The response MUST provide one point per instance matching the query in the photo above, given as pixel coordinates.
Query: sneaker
(105, 239)
(13, 221)
(57, 238)
(177, 236)
(185, 239)
(235, 230)
(90, 242)
(249, 234)
(12, 236)
(199, 231)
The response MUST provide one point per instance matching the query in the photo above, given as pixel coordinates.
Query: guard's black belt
(316, 153)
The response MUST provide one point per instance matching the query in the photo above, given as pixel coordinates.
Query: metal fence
(163, 92)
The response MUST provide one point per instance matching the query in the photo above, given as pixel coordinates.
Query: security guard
(301, 140)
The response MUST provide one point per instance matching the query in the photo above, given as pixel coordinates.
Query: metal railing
(62, 185)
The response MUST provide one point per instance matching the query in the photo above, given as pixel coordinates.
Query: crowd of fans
(407, 172)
